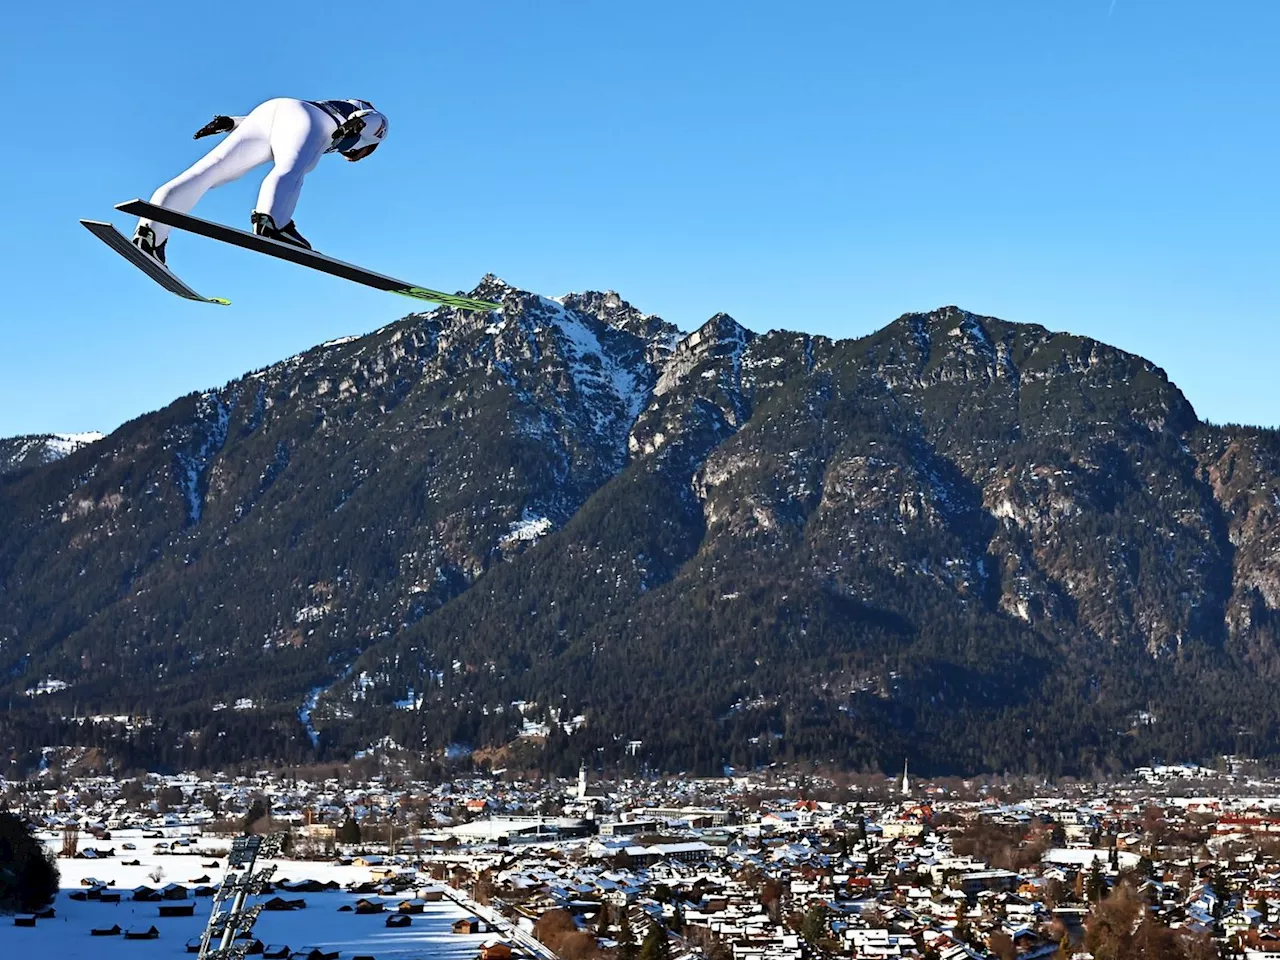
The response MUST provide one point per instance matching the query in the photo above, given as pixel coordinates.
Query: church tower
(582, 781)
(906, 784)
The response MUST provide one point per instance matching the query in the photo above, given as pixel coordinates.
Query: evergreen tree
(627, 949)
(28, 872)
(258, 812)
(349, 832)
(1095, 886)
(656, 944)
(1219, 885)
(813, 927)
(602, 919)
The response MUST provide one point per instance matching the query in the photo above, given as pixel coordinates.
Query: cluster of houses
(799, 878)
(748, 868)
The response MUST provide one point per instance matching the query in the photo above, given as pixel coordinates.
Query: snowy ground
(66, 937)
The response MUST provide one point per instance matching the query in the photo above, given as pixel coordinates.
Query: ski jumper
(293, 134)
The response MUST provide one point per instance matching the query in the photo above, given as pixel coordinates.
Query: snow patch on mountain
(60, 445)
(615, 391)
(306, 710)
(21, 453)
(529, 527)
(212, 419)
(595, 370)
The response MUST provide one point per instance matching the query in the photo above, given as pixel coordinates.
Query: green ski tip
(449, 299)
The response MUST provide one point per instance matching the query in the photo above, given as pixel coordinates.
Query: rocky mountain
(23, 453)
(567, 530)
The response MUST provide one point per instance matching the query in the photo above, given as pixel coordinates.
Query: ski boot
(264, 226)
(144, 238)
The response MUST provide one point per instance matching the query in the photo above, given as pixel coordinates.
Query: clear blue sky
(1105, 168)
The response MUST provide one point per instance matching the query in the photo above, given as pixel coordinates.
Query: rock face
(977, 543)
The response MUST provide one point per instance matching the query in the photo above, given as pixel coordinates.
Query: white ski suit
(293, 134)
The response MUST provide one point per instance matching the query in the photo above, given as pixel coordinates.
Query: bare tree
(70, 840)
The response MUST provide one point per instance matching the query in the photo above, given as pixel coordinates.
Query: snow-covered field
(66, 937)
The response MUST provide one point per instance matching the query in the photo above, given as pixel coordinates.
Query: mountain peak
(491, 287)
(611, 309)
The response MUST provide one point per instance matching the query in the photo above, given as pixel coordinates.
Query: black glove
(349, 128)
(218, 124)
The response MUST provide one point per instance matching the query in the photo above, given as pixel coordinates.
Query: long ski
(299, 255)
(158, 272)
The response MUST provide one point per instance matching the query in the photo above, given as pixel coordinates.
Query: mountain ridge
(933, 540)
